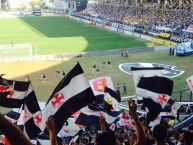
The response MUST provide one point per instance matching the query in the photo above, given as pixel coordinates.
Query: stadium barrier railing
(28, 59)
(63, 56)
(185, 95)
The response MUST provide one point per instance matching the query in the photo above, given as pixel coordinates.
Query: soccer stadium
(96, 72)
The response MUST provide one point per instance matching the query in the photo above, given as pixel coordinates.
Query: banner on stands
(136, 34)
(120, 30)
(114, 29)
(128, 33)
(145, 37)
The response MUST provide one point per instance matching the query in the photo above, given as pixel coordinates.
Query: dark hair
(160, 133)
(188, 137)
(106, 138)
(127, 143)
(190, 127)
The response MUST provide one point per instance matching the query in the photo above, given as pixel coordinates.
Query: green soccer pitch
(54, 35)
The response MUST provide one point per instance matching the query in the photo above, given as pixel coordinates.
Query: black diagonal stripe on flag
(113, 94)
(32, 103)
(10, 102)
(77, 70)
(13, 116)
(154, 109)
(71, 94)
(88, 117)
(168, 106)
(159, 85)
(12, 93)
(33, 112)
(31, 128)
(71, 106)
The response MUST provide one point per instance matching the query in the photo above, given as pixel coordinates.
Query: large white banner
(145, 72)
(127, 32)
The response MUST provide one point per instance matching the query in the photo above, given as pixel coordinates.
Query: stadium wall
(64, 56)
(115, 52)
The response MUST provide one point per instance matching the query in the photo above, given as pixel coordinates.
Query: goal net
(13, 50)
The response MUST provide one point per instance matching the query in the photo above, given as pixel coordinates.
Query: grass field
(43, 91)
(52, 35)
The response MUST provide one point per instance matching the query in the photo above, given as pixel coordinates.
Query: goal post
(13, 50)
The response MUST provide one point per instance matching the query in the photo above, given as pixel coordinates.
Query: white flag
(190, 82)
(98, 85)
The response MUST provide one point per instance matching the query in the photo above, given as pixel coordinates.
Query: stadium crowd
(171, 20)
(161, 134)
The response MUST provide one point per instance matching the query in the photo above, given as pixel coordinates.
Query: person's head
(186, 137)
(190, 128)
(106, 138)
(127, 143)
(160, 133)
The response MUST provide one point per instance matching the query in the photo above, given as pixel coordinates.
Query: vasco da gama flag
(28, 114)
(139, 72)
(71, 94)
(190, 82)
(31, 115)
(88, 117)
(12, 93)
(156, 92)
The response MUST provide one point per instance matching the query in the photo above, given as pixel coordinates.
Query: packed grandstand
(82, 112)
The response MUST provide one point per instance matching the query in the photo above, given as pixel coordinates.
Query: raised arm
(102, 124)
(139, 129)
(13, 133)
(50, 124)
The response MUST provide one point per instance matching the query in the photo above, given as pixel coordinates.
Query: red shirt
(125, 116)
